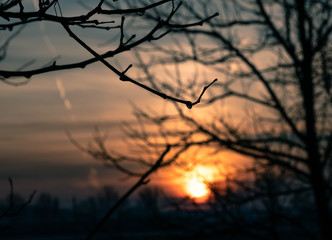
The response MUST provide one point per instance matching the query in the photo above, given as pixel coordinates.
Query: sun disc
(196, 188)
(196, 181)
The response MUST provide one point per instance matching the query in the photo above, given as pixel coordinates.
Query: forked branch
(124, 77)
(142, 181)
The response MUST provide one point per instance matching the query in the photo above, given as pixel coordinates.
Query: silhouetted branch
(4, 46)
(274, 104)
(12, 210)
(143, 180)
(122, 75)
(87, 21)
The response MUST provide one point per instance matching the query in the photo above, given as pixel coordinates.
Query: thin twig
(143, 180)
(10, 212)
(125, 78)
(202, 93)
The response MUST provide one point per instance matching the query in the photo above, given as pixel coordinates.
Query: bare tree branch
(142, 181)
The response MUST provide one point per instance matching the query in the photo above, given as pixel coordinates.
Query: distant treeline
(154, 215)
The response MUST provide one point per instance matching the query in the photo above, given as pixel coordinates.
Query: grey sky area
(34, 148)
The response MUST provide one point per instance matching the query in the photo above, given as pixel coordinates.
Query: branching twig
(87, 21)
(143, 180)
(124, 77)
(10, 211)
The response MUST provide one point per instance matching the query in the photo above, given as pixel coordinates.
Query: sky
(34, 148)
(36, 117)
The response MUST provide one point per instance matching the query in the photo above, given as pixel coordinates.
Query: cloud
(62, 93)
(54, 52)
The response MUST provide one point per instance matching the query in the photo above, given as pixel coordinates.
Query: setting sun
(196, 181)
(196, 188)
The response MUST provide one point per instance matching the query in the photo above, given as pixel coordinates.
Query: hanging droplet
(189, 105)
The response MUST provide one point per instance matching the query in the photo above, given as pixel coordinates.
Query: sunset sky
(225, 105)
(35, 150)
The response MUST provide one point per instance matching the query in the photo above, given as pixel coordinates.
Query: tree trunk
(314, 160)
